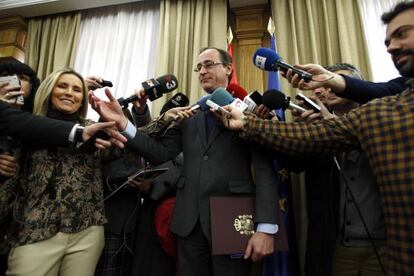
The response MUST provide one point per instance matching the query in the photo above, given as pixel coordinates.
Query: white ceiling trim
(31, 8)
(9, 4)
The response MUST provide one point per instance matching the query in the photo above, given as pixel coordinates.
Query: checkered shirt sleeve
(384, 129)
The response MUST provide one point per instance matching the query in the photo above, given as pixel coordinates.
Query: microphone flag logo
(260, 62)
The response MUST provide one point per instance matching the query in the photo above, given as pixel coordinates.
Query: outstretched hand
(109, 111)
(117, 139)
(320, 77)
(232, 119)
(179, 113)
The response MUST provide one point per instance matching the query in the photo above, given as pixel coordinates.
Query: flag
(282, 263)
(229, 37)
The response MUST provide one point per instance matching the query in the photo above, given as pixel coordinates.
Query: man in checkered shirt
(383, 128)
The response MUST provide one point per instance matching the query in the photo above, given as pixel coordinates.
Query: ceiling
(31, 8)
(244, 3)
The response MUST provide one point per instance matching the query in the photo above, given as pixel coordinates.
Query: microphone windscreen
(266, 59)
(237, 91)
(221, 97)
(167, 83)
(178, 100)
(274, 99)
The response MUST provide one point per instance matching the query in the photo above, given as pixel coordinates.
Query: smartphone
(195, 107)
(256, 97)
(308, 103)
(13, 80)
(218, 108)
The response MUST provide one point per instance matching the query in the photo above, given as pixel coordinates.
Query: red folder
(232, 225)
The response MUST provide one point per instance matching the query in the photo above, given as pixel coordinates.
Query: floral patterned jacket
(59, 190)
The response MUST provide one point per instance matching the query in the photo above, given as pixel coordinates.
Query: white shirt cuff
(130, 131)
(267, 228)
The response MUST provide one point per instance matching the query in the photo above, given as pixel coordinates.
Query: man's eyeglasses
(207, 65)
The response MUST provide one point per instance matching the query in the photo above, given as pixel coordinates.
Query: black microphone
(275, 99)
(268, 60)
(106, 83)
(178, 100)
(154, 89)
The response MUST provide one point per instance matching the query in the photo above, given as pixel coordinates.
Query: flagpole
(229, 38)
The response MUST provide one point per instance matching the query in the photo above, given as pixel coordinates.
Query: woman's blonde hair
(42, 102)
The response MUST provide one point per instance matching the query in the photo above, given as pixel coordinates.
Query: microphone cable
(341, 174)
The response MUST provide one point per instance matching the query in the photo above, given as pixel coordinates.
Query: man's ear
(229, 69)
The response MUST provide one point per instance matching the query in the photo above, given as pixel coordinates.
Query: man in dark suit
(216, 164)
(49, 132)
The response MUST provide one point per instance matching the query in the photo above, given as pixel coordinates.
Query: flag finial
(229, 35)
(271, 26)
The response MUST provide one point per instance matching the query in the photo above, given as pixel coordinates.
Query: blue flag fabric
(282, 263)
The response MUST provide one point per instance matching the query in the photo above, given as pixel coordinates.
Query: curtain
(117, 43)
(52, 42)
(375, 35)
(322, 32)
(187, 26)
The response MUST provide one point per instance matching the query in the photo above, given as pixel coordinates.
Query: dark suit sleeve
(362, 91)
(293, 163)
(141, 120)
(155, 150)
(167, 182)
(33, 129)
(266, 181)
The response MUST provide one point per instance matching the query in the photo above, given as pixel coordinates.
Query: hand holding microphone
(266, 59)
(311, 115)
(305, 77)
(176, 108)
(95, 82)
(153, 89)
(275, 99)
(177, 114)
(321, 77)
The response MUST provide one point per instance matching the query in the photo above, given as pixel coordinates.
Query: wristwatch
(78, 134)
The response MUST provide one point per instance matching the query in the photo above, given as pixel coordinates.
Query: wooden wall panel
(249, 29)
(13, 36)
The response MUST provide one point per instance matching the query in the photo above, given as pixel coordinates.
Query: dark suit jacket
(34, 129)
(122, 209)
(166, 183)
(362, 91)
(322, 196)
(221, 165)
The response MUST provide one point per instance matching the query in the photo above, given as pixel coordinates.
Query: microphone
(221, 97)
(275, 99)
(268, 60)
(154, 89)
(178, 100)
(106, 83)
(237, 91)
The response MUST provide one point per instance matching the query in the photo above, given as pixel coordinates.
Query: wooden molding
(13, 37)
(249, 28)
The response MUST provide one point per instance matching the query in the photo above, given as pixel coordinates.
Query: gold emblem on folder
(244, 224)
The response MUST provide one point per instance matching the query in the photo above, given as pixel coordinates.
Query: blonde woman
(59, 211)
